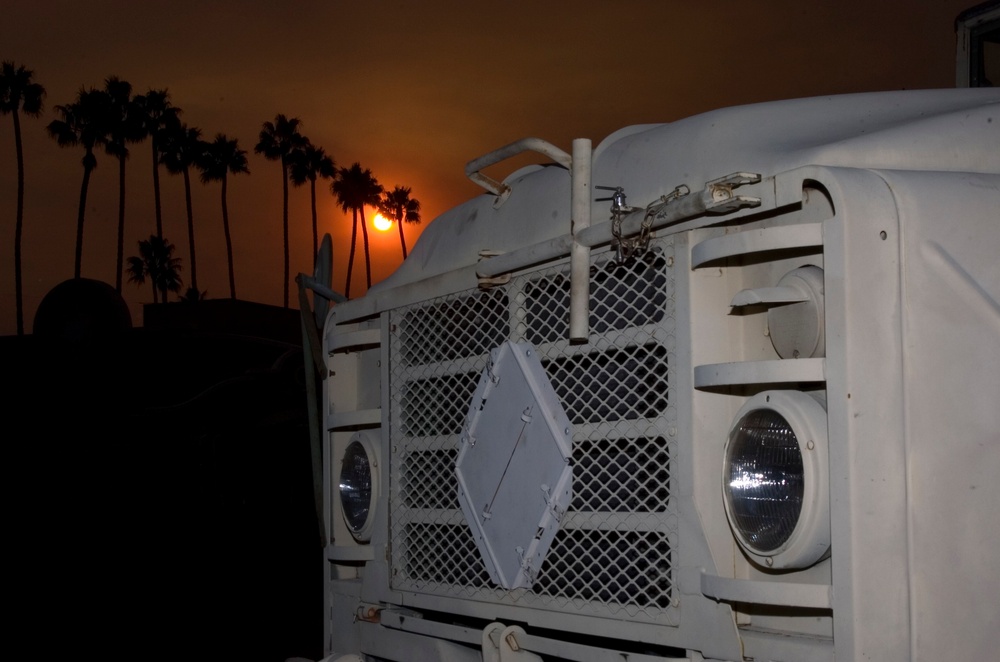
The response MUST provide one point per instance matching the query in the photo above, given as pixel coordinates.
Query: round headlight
(359, 486)
(764, 481)
(776, 480)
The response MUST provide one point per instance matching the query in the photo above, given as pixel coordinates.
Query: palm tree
(18, 94)
(398, 207)
(83, 122)
(181, 148)
(221, 157)
(124, 126)
(158, 117)
(278, 141)
(156, 262)
(306, 165)
(354, 189)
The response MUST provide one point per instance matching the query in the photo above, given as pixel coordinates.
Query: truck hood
(930, 130)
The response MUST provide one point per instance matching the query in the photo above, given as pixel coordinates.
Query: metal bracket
(488, 282)
(719, 197)
(502, 643)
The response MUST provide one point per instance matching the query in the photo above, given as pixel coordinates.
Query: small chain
(623, 247)
(627, 250)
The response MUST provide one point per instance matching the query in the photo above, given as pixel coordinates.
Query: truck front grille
(613, 552)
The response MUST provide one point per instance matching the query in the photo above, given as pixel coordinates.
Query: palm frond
(18, 93)
(278, 139)
(354, 188)
(156, 263)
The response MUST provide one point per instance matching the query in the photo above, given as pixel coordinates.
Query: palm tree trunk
(156, 185)
(190, 217)
(350, 259)
(402, 239)
(120, 264)
(368, 255)
(312, 191)
(18, 228)
(80, 214)
(284, 226)
(229, 241)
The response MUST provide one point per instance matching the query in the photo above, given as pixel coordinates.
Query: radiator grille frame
(615, 553)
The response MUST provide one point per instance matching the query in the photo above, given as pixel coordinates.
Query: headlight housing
(797, 329)
(359, 486)
(776, 480)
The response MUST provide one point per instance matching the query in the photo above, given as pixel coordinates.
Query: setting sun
(382, 223)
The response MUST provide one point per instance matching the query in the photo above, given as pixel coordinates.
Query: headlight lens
(776, 479)
(765, 481)
(356, 486)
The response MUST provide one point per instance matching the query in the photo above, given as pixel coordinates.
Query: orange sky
(411, 90)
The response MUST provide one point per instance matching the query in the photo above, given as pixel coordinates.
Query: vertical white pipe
(579, 293)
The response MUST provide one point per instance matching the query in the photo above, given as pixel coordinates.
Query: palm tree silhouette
(354, 189)
(158, 117)
(398, 207)
(124, 126)
(18, 94)
(83, 122)
(181, 147)
(221, 157)
(278, 141)
(306, 165)
(157, 263)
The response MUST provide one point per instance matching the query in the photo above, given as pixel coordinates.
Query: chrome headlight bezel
(358, 499)
(809, 538)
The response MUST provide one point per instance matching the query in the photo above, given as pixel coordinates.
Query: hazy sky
(411, 90)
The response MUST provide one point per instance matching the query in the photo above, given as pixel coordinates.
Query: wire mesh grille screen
(612, 554)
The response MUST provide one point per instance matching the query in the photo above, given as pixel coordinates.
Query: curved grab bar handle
(473, 167)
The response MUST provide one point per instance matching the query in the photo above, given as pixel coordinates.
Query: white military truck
(726, 388)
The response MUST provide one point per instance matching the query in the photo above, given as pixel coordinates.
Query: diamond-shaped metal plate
(515, 480)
